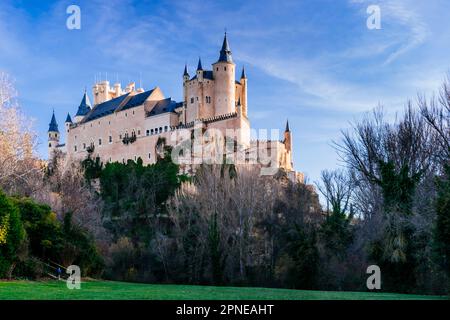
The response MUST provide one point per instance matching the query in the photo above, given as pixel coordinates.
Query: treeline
(388, 205)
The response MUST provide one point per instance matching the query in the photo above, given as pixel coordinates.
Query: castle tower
(185, 92)
(83, 108)
(68, 122)
(199, 70)
(224, 77)
(101, 92)
(289, 164)
(287, 137)
(53, 136)
(243, 98)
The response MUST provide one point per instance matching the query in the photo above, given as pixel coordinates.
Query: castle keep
(128, 123)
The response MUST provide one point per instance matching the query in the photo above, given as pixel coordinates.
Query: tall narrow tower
(289, 164)
(288, 137)
(185, 93)
(244, 92)
(224, 81)
(53, 136)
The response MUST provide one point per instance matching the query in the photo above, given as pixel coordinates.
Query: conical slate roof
(85, 106)
(225, 52)
(53, 125)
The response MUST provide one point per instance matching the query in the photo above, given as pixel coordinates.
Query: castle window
(110, 139)
(165, 128)
(147, 132)
(197, 98)
(160, 129)
(149, 155)
(139, 132)
(225, 68)
(192, 100)
(75, 148)
(84, 146)
(99, 142)
(126, 114)
(110, 160)
(217, 69)
(49, 145)
(151, 132)
(133, 112)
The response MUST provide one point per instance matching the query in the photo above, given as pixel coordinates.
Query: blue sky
(314, 62)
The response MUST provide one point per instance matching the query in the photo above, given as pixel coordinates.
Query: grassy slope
(109, 290)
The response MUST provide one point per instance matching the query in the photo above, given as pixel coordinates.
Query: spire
(68, 119)
(287, 126)
(199, 66)
(243, 76)
(225, 52)
(85, 105)
(53, 126)
(185, 71)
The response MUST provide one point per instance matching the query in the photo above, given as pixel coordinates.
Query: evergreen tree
(442, 228)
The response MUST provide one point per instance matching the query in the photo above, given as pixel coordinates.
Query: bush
(12, 235)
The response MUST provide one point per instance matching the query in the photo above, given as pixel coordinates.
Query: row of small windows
(207, 98)
(224, 68)
(156, 130)
(126, 135)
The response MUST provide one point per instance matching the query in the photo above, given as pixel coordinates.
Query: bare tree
(337, 187)
(437, 114)
(406, 142)
(20, 170)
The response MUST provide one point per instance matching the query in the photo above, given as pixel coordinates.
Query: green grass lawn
(111, 290)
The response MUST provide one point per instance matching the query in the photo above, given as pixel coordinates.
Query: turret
(287, 137)
(224, 78)
(185, 74)
(101, 92)
(185, 90)
(243, 99)
(199, 70)
(53, 136)
(83, 108)
(68, 122)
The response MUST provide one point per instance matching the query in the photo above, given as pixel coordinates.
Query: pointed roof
(53, 125)
(225, 52)
(185, 71)
(199, 66)
(68, 118)
(243, 76)
(287, 126)
(85, 105)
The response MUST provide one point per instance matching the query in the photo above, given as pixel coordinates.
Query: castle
(129, 123)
